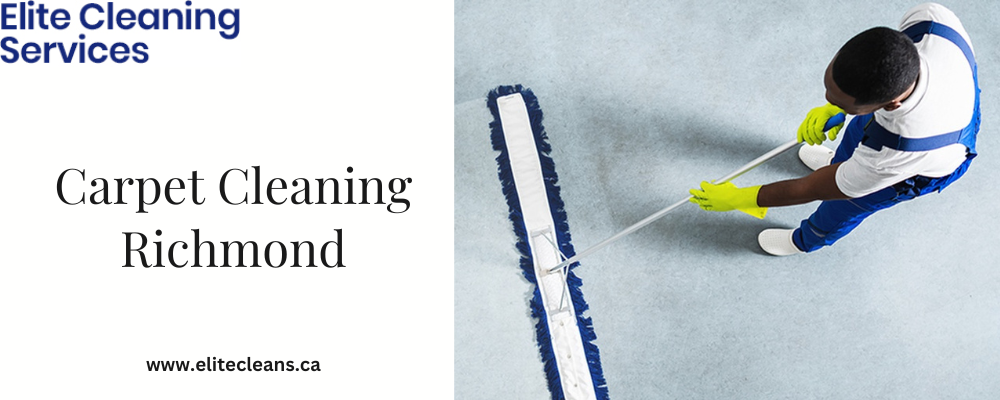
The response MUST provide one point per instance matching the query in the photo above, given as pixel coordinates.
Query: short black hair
(876, 66)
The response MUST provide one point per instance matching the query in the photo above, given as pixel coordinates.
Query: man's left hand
(728, 197)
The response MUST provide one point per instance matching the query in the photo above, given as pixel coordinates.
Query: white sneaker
(815, 157)
(778, 242)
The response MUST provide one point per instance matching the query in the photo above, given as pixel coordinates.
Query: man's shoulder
(929, 11)
(933, 12)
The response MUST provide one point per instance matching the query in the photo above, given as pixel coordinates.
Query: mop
(527, 174)
(565, 337)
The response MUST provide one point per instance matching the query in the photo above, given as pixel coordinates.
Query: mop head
(528, 175)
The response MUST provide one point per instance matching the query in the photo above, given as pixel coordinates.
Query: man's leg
(836, 218)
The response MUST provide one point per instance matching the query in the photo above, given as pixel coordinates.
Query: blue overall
(836, 218)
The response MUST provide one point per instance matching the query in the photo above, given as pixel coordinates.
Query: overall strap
(918, 30)
(878, 136)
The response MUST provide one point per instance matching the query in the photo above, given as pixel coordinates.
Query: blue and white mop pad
(528, 176)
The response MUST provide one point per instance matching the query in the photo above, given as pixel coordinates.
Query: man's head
(876, 69)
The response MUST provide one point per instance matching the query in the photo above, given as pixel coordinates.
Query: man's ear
(893, 105)
(898, 102)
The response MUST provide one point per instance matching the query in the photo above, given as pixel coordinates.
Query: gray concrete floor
(644, 99)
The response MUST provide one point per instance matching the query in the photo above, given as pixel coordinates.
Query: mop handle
(834, 121)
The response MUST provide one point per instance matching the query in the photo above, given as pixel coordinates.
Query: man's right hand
(811, 130)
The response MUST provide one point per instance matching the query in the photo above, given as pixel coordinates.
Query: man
(915, 95)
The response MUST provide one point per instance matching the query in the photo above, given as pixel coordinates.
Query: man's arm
(754, 200)
(819, 185)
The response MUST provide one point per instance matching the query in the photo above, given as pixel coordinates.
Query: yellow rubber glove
(728, 197)
(811, 130)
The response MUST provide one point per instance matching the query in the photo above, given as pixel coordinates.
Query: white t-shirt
(942, 102)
